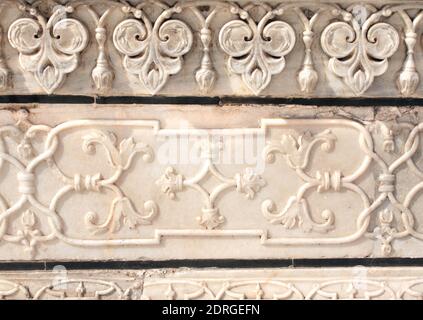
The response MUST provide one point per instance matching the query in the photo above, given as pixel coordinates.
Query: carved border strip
(358, 45)
(215, 284)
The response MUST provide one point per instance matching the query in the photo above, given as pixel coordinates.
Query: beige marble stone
(152, 182)
(218, 48)
(278, 182)
(212, 284)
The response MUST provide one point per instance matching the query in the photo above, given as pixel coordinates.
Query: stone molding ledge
(211, 284)
(217, 48)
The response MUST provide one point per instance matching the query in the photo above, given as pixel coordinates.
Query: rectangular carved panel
(98, 189)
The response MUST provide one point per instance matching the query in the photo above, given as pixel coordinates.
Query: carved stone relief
(357, 283)
(276, 48)
(144, 182)
(129, 185)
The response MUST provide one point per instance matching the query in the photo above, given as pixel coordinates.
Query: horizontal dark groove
(24, 99)
(353, 102)
(198, 100)
(230, 264)
(159, 100)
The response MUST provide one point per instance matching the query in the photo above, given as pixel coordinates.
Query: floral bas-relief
(256, 51)
(278, 49)
(116, 178)
(319, 159)
(48, 48)
(153, 51)
(357, 283)
(360, 50)
(248, 183)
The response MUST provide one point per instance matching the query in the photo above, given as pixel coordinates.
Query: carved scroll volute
(359, 51)
(49, 49)
(153, 52)
(256, 52)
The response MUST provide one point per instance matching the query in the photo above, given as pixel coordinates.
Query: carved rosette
(49, 48)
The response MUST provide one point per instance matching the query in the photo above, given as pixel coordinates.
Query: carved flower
(28, 236)
(205, 78)
(385, 232)
(408, 81)
(152, 55)
(211, 218)
(102, 77)
(388, 130)
(256, 57)
(170, 182)
(307, 79)
(49, 49)
(359, 55)
(249, 183)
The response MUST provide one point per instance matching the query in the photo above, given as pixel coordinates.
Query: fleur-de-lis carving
(256, 52)
(360, 50)
(153, 52)
(249, 183)
(49, 49)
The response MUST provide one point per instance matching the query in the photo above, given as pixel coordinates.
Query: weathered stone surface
(276, 48)
(213, 284)
(102, 181)
(118, 184)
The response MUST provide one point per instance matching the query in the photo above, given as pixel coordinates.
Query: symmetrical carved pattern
(153, 51)
(381, 211)
(256, 42)
(257, 51)
(360, 50)
(358, 283)
(48, 48)
(247, 183)
(102, 74)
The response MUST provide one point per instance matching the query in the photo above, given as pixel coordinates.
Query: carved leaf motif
(256, 56)
(358, 56)
(28, 235)
(153, 57)
(297, 152)
(296, 214)
(49, 50)
(118, 157)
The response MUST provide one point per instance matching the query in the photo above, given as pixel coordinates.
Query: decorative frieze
(355, 283)
(130, 188)
(162, 48)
